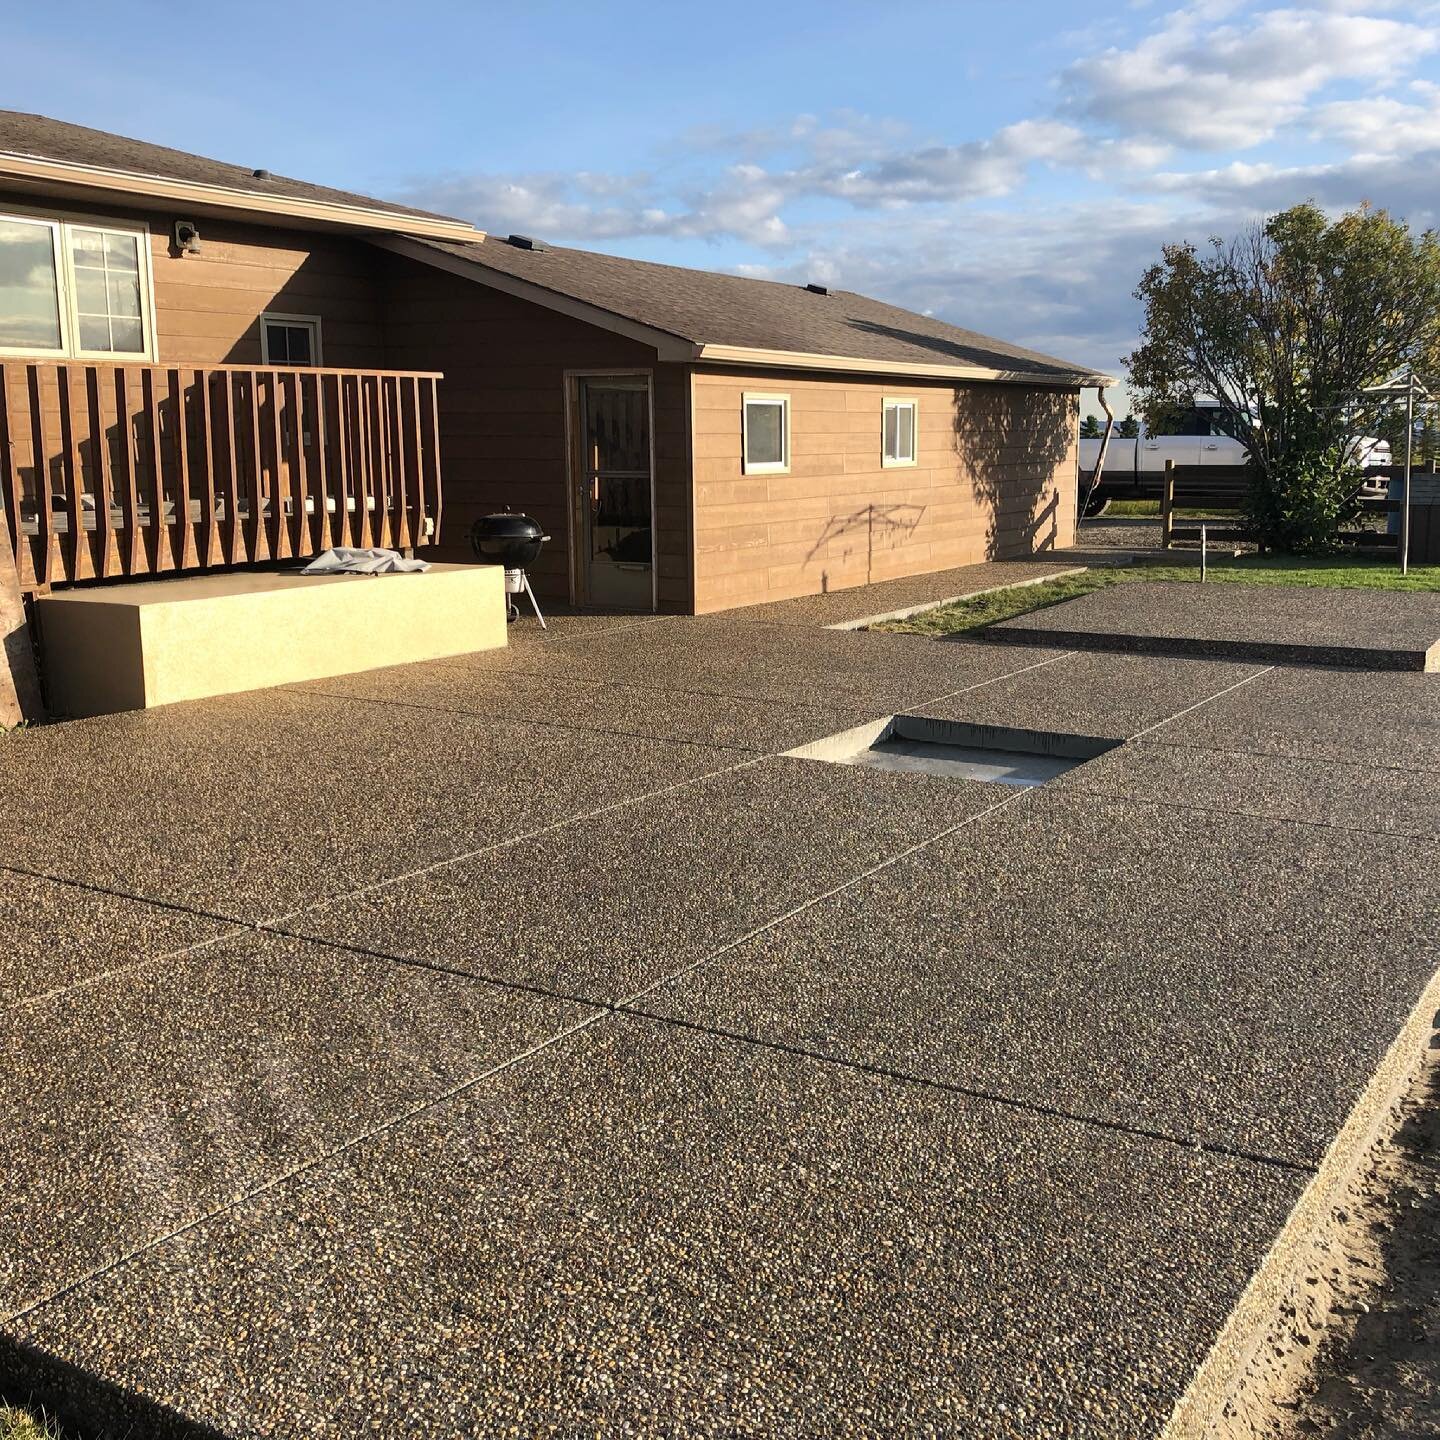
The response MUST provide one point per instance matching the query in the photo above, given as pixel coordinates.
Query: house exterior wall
(503, 414)
(995, 473)
(207, 305)
(995, 478)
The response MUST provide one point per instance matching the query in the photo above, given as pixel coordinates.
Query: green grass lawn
(1331, 572)
(21, 1425)
(1150, 510)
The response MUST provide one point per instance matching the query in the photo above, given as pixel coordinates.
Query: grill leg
(535, 603)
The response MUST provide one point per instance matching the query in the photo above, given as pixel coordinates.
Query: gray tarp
(345, 561)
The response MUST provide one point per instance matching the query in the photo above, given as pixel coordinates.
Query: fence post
(19, 683)
(1167, 505)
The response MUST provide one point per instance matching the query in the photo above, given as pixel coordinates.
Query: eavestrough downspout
(1100, 458)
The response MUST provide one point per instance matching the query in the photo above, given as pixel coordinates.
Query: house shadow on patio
(84, 1406)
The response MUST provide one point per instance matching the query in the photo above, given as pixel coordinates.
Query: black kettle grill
(513, 541)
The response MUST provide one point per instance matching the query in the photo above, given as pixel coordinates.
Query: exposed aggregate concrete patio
(519, 1044)
(1372, 629)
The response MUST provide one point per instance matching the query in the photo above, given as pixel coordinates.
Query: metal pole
(1203, 563)
(1409, 448)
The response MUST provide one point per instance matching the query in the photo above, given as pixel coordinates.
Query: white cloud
(744, 200)
(1208, 75)
(979, 168)
(1203, 85)
(816, 196)
(1383, 124)
(1407, 185)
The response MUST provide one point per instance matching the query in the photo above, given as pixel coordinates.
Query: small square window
(290, 340)
(898, 432)
(766, 435)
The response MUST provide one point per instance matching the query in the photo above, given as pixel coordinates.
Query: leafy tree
(1284, 325)
(1089, 428)
(1128, 428)
(1426, 444)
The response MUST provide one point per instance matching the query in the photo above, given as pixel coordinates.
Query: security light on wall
(187, 237)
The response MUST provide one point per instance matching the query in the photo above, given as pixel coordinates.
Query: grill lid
(507, 538)
(507, 525)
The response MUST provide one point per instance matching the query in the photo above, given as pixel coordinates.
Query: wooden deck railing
(133, 470)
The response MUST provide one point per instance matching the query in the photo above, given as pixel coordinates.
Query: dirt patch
(1122, 533)
(1356, 1350)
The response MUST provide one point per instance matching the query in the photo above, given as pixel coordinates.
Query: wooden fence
(135, 470)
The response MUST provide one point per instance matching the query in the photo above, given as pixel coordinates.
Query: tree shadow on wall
(1011, 443)
(876, 527)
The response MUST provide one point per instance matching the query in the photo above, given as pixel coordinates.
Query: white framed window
(766, 434)
(897, 431)
(79, 288)
(289, 339)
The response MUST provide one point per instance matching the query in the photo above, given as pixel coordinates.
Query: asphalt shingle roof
(713, 309)
(42, 138)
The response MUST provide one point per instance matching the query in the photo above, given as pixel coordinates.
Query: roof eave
(861, 365)
(64, 176)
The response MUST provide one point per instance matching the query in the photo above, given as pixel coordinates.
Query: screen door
(616, 537)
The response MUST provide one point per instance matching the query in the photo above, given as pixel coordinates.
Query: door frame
(575, 464)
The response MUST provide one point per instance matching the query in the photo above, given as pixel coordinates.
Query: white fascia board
(47, 175)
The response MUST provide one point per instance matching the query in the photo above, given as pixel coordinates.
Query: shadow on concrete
(84, 1406)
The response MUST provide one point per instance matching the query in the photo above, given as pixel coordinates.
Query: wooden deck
(110, 470)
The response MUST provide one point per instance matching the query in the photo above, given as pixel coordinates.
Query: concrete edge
(1205, 1407)
(836, 749)
(848, 745)
(1010, 739)
(1349, 657)
(905, 612)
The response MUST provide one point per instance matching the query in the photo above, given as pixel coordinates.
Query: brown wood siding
(995, 478)
(503, 414)
(207, 306)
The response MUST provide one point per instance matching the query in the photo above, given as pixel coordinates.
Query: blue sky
(1011, 165)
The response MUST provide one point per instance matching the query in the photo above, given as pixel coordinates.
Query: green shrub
(1302, 501)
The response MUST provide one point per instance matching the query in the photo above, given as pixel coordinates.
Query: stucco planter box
(132, 647)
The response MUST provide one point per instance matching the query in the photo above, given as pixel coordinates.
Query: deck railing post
(112, 469)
